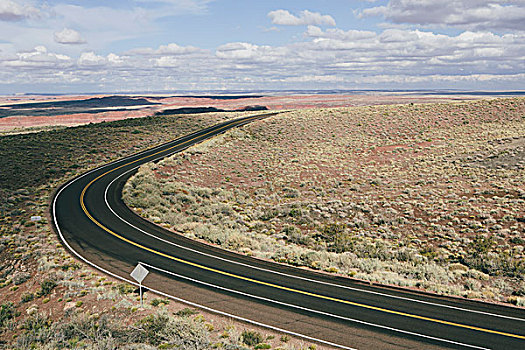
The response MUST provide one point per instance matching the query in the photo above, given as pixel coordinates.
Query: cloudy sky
(169, 45)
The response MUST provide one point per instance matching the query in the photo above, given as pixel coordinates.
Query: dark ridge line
(195, 110)
(212, 97)
(107, 101)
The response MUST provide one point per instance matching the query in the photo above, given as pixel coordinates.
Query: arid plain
(422, 192)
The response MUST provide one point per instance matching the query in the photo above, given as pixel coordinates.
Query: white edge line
(180, 299)
(310, 310)
(282, 273)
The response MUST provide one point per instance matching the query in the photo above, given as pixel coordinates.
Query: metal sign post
(140, 293)
(139, 273)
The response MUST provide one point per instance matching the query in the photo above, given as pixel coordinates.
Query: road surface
(95, 225)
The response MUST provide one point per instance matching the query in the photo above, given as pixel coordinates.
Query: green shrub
(7, 312)
(21, 278)
(36, 323)
(338, 239)
(46, 286)
(186, 312)
(153, 327)
(156, 302)
(27, 297)
(251, 338)
(285, 338)
(124, 288)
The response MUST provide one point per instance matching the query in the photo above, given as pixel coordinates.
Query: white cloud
(440, 78)
(324, 57)
(251, 53)
(115, 59)
(39, 57)
(166, 61)
(465, 14)
(283, 17)
(90, 59)
(14, 11)
(237, 51)
(168, 50)
(338, 34)
(68, 36)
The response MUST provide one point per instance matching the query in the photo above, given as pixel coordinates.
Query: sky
(74, 46)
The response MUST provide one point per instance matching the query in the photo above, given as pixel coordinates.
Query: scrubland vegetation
(428, 196)
(48, 300)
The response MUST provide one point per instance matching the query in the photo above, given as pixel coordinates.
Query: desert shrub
(44, 264)
(481, 245)
(150, 328)
(46, 286)
(186, 312)
(291, 192)
(337, 237)
(295, 235)
(37, 329)
(431, 272)
(520, 291)
(36, 323)
(239, 241)
(269, 214)
(7, 312)
(406, 254)
(74, 329)
(27, 297)
(21, 278)
(124, 288)
(181, 333)
(251, 338)
(480, 257)
(156, 302)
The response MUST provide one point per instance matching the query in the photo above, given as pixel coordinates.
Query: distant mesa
(195, 110)
(212, 97)
(91, 105)
(95, 102)
(114, 104)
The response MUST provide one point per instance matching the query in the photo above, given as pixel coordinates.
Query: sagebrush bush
(46, 287)
(103, 332)
(7, 312)
(251, 338)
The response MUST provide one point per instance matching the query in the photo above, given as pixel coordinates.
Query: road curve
(96, 226)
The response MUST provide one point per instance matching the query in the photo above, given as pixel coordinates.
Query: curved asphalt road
(98, 228)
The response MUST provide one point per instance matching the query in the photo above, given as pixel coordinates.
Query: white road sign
(139, 273)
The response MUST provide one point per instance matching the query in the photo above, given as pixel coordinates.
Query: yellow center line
(224, 273)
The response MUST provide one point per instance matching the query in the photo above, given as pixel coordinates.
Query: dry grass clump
(429, 196)
(81, 330)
